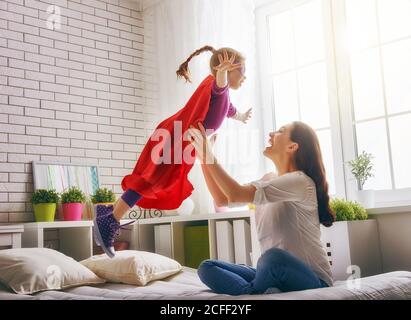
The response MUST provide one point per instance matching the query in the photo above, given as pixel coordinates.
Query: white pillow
(30, 270)
(132, 267)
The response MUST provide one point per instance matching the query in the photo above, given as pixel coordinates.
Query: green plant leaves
(73, 195)
(45, 196)
(348, 210)
(361, 167)
(359, 210)
(103, 195)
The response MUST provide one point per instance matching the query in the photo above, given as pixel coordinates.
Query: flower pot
(72, 211)
(44, 211)
(366, 198)
(353, 246)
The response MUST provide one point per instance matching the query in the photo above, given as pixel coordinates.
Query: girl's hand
(227, 63)
(246, 116)
(243, 117)
(201, 144)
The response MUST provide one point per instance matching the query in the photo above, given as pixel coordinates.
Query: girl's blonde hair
(183, 71)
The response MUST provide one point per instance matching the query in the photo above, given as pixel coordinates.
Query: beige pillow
(29, 270)
(132, 267)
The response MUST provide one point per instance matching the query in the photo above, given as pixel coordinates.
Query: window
(343, 67)
(379, 47)
(298, 72)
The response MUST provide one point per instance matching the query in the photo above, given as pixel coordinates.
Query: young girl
(155, 183)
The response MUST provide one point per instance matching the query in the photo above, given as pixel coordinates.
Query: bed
(186, 285)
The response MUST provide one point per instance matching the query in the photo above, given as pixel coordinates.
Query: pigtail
(183, 71)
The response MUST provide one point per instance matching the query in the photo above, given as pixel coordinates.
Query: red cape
(165, 186)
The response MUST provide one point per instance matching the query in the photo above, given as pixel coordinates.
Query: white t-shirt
(287, 218)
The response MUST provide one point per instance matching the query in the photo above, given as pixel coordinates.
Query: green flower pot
(44, 211)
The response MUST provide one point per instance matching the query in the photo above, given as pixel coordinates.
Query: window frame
(340, 95)
(266, 90)
(383, 198)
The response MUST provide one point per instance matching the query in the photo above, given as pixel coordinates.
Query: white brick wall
(76, 94)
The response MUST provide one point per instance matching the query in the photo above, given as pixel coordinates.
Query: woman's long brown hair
(308, 158)
(184, 72)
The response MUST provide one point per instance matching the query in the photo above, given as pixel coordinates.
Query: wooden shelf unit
(75, 238)
(142, 235)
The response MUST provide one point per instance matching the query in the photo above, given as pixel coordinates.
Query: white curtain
(179, 27)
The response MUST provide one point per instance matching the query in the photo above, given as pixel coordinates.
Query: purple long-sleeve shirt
(220, 107)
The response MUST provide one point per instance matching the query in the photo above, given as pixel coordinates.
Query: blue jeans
(276, 268)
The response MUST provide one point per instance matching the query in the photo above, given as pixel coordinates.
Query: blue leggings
(276, 268)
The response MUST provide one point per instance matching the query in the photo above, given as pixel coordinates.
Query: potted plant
(352, 243)
(348, 210)
(44, 204)
(102, 196)
(361, 168)
(73, 202)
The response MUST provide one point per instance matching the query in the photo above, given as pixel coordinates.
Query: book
(225, 241)
(242, 242)
(196, 245)
(162, 240)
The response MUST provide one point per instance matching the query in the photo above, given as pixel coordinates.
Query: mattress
(187, 285)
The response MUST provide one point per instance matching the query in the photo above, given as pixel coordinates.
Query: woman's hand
(201, 144)
(224, 188)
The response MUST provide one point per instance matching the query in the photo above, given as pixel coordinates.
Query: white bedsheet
(187, 285)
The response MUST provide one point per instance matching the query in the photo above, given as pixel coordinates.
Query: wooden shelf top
(194, 217)
(11, 228)
(59, 224)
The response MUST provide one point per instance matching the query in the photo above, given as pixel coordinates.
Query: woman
(290, 206)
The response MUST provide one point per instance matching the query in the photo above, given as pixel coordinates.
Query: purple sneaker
(106, 228)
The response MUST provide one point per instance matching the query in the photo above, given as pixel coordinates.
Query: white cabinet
(10, 235)
(162, 240)
(163, 235)
(155, 234)
(73, 238)
(225, 241)
(242, 241)
(353, 248)
(348, 243)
